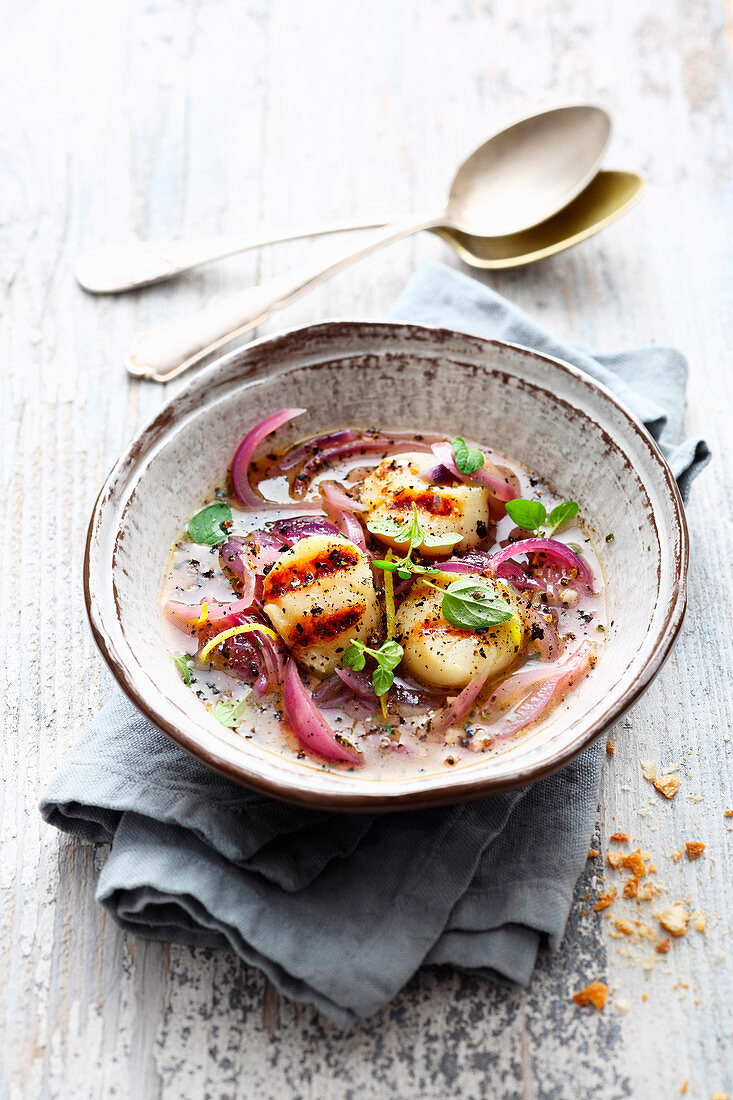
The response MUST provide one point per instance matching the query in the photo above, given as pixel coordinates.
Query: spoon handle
(171, 348)
(114, 269)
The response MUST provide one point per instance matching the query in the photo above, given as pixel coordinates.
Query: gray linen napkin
(338, 910)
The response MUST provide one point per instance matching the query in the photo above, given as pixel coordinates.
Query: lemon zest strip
(201, 621)
(247, 628)
(389, 599)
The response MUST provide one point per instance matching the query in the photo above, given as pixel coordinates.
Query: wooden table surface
(168, 118)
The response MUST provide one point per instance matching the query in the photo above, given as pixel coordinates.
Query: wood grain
(157, 119)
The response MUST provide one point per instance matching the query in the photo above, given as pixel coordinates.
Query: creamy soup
(392, 603)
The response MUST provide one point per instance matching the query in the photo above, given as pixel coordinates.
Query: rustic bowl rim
(377, 800)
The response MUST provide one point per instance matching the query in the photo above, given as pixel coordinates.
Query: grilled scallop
(319, 596)
(445, 656)
(396, 485)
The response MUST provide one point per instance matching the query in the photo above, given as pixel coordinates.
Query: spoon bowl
(606, 198)
(527, 172)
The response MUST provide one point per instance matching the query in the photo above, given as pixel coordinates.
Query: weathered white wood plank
(166, 118)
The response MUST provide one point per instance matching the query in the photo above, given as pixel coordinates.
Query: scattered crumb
(615, 858)
(592, 853)
(635, 863)
(624, 926)
(677, 855)
(662, 947)
(683, 1090)
(728, 813)
(720, 1096)
(648, 769)
(694, 849)
(668, 785)
(631, 887)
(622, 1006)
(594, 994)
(646, 892)
(604, 901)
(699, 922)
(610, 748)
(620, 837)
(674, 920)
(645, 996)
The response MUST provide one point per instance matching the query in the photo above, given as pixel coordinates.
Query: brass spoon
(517, 179)
(605, 199)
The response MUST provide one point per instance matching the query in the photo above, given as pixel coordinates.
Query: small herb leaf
(529, 514)
(230, 714)
(470, 605)
(354, 657)
(183, 664)
(207, 526)
(390, 654)
(382, 679)
(468, 459)
(560, 515)
(387, 527)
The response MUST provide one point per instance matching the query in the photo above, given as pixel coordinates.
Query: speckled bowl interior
(536, 410)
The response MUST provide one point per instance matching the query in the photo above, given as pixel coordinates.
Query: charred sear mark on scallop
(320, 626)
(287, 577)
(428, 501)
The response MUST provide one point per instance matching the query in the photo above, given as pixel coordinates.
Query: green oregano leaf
(184, 665)
(560, 515)
(471, 605)
(387, 657)
(529, 514)
(211, 525)
(230, 714)
(468, 459)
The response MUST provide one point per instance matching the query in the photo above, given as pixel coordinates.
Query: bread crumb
(645, 996)
(594, 994)
(668, 785)
(694, 849)
(728, 813)
(624, 926)
(699, 922)
(720, 1096)
(622, 1006)
(674, 920)
(615, 858)
(683, 1090)
(592, 853)
(635, 863)
(610, 748)
(648, 769)
(620, 837)
(677, 855)
(646, 892)
(662, 947)
(631, 887)
(604, 901)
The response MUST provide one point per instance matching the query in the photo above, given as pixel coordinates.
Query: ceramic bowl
(535, 409)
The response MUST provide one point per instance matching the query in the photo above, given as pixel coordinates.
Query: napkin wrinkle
(340, 910)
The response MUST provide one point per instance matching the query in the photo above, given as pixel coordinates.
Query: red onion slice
(309, 725)
(218, 614)
(243, 455)
(342, 515)
(329, 456)
(303, 527)
(520, 682)
(459, 707)
(553, 549)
